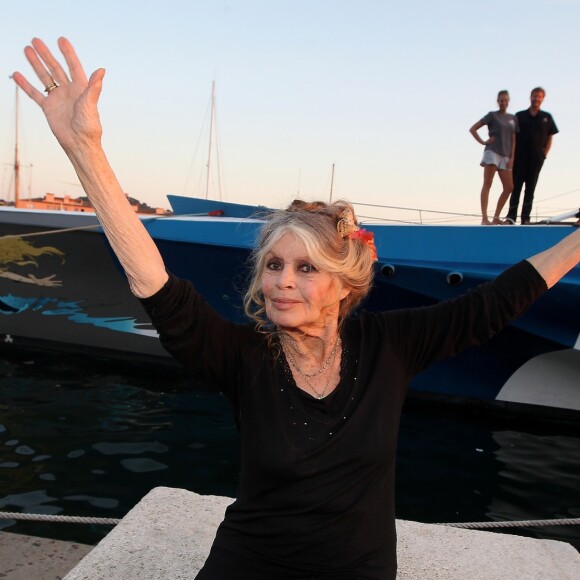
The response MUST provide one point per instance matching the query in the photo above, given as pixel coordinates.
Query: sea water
(87, 436)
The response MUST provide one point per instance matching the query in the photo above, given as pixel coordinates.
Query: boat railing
(412, 215)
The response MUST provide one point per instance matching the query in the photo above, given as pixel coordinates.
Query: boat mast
(331, 183)
(16, 160)
(211, 124)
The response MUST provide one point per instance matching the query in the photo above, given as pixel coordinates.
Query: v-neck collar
(335, 404)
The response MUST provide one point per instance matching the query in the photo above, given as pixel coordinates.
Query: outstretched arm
(557, 261)
(71, 112)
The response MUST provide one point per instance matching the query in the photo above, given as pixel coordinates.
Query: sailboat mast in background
(331, 184)
(212, 132)
(16, 158)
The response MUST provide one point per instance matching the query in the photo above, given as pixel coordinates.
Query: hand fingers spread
(96, 85)
(56, 71)
(39, 68)
(75, 68)
(32, 92)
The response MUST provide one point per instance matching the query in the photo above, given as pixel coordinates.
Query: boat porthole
(454, 278)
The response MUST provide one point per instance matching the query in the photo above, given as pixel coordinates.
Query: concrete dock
(29, 558)
(167, 536)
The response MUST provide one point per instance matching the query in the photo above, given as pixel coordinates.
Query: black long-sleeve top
(316, 490)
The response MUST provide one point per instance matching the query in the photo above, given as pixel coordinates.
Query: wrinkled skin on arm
(72, 114)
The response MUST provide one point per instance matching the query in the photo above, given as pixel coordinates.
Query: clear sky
(384, 90)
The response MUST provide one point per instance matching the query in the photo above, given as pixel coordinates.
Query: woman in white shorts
(498, 155)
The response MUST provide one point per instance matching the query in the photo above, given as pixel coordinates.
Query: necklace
(321, 369)
(332, 356)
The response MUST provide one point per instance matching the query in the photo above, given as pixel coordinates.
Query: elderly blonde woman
(317, 393)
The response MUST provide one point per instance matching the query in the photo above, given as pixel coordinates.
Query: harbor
(95, 414)
(419, 380)
(87, 436)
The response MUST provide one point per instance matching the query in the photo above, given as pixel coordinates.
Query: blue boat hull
(535, 361)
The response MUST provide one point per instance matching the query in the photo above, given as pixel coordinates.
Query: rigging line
(48, 232)
(98, 225)
(211, 124)
(299, 179)
(10, 183)
(217, 153)
(559, 195)
(454, 218)
(331, 184)
(197, 147)
(217, 149)
(385, 221)
(454, 213)
(427, 220)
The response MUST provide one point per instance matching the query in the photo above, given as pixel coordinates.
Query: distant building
(82, 204)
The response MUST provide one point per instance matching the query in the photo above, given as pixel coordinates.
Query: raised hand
(70, 104)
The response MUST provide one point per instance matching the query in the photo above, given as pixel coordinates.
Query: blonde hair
(316, 225)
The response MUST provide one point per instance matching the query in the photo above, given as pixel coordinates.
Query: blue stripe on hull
(413, 269)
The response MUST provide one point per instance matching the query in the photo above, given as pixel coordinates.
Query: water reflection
(87, 438)
(90, 438)
(462, 466)
(537, 478)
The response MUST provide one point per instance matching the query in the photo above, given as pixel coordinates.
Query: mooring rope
(515, 524)
(467, 525)
(55, 518)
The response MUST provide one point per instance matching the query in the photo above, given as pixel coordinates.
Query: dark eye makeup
(275, 264)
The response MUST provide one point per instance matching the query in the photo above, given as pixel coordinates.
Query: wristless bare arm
(71, 112)
(128, 237)
(557, 261)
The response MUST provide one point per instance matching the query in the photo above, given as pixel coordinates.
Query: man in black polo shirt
(532, 145)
